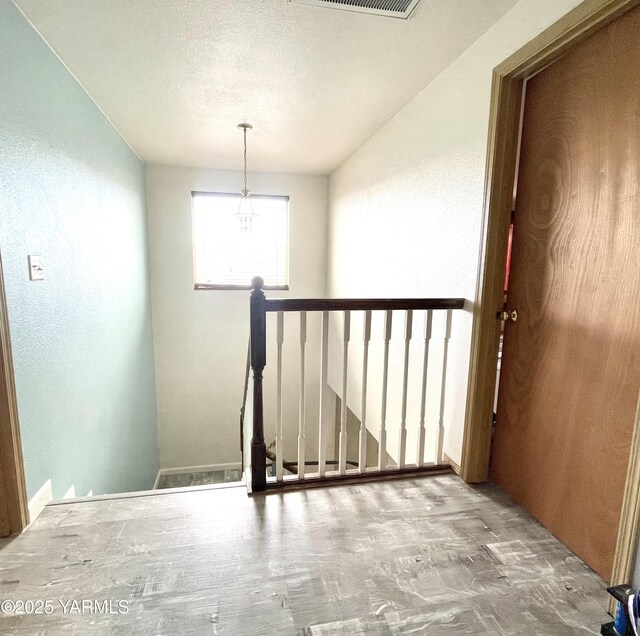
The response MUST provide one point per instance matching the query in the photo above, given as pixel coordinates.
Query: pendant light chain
(245, 212)
(245, 158)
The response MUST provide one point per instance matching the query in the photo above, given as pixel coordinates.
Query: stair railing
(258, 479)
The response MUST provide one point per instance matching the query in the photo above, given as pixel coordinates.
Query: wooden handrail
(361, 304)
(245, 392)
(258, 346)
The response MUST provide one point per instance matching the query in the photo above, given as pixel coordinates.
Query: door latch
(508, 315)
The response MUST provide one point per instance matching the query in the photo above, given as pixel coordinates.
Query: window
(225, 257)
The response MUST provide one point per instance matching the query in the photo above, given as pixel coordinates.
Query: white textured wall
(200, 337)
(405, 209)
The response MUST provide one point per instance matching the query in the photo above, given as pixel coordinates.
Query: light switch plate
(36, 271)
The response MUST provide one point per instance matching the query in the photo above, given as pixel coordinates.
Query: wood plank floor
(423, 556)
(199, 478)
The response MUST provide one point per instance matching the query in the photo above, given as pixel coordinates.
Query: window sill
(210, 286)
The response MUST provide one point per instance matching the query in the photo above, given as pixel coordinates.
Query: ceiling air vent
(390, 8)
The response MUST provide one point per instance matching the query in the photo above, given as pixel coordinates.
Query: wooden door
(14, 512)
(571, 367)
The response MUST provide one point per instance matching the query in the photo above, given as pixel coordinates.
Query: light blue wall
(72, 191)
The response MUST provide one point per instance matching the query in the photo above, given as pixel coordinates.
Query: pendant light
(245, 211)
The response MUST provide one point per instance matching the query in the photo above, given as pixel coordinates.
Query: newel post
(258, 362)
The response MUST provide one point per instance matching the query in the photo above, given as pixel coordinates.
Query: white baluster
(324, 414)
(445, 355)
(279, 441)
(362, 455)
(302, 432)
(408, 328)
(382, 446)
(345, 374)
(428, 320)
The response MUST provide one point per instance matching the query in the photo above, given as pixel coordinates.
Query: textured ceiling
(176, 76)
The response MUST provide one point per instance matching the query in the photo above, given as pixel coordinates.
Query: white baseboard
(71, 493)
(179, 470)
(40, 500)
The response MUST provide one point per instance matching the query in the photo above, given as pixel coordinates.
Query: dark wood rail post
(258, 362)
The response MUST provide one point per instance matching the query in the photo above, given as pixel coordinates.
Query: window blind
(224, 256)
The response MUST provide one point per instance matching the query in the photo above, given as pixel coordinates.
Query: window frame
(228, 287)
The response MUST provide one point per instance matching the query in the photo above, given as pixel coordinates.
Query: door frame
(14, 507)
(504, 130)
